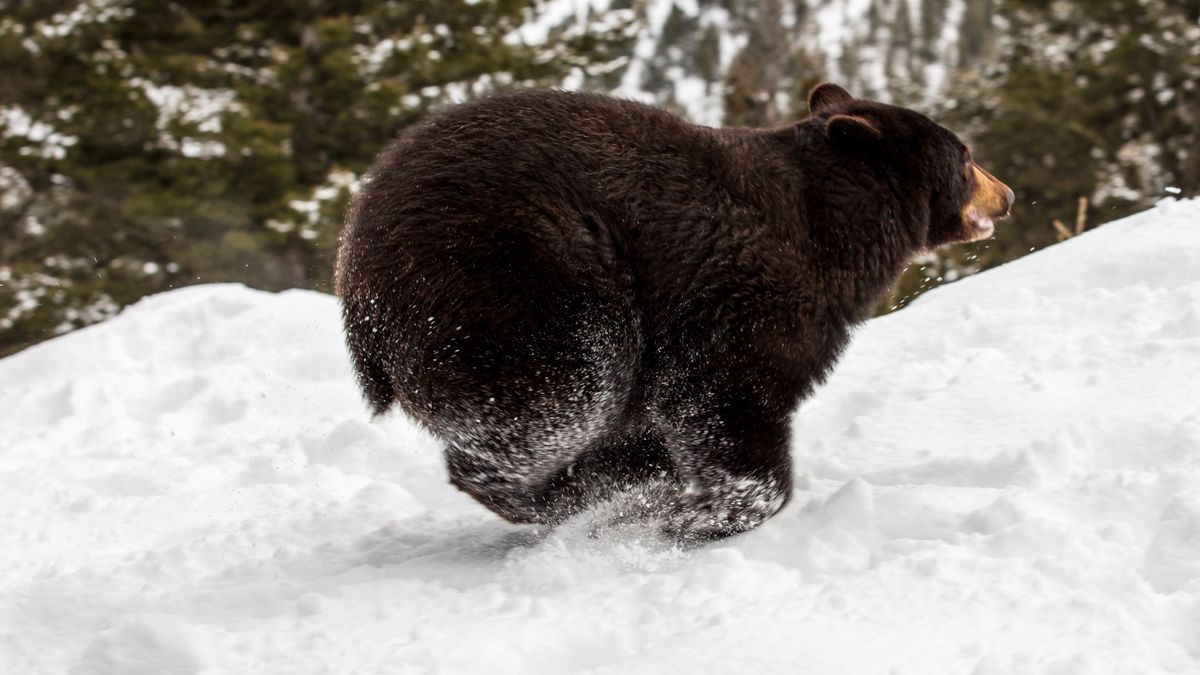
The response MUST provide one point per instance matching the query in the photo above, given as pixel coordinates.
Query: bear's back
(606, 187)
(542, 148)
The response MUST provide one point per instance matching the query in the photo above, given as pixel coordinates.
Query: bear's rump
(500, 345)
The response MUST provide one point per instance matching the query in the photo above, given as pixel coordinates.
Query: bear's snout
(990, 200)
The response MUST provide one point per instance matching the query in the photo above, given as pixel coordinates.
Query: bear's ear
(852, 130)
(826, 96)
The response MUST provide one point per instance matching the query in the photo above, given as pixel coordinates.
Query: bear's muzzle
(990, 200)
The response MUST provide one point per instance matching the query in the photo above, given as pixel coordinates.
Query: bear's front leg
(722, 505)
(731, 455)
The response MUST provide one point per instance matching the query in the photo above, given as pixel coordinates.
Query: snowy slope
(1002, 478)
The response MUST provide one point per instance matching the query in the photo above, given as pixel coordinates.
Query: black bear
(579, 294)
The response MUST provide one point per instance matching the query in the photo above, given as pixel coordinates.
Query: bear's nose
(1009, 198)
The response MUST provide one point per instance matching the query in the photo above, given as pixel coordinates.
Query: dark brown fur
(578, 293)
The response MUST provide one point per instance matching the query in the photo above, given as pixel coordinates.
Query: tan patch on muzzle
(990, 201)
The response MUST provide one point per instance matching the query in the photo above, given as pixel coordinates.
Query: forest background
(150, 144)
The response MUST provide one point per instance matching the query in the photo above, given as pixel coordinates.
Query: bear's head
(930, 162)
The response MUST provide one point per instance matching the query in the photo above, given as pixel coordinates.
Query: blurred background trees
(1092, 99)
(151, 144)
(148, 144)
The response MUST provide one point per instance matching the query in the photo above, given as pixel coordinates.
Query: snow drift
(1002, 478)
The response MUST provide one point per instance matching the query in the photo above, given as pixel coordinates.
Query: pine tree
(1093, 99)
(751, 81)
(900, 46)
(707, 56)
(977, 33)
(149, 145)
(933, 14)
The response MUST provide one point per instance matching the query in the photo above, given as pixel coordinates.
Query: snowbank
(1002, 478)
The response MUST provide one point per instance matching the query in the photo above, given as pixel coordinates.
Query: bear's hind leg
(515, 433)
(620, 463)
(507, 486)
(513, 487)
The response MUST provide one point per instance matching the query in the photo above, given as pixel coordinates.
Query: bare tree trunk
(775, 50)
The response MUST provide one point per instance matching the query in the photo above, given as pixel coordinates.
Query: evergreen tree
(933, 14)
(707, 56)
(977, 33)
(148, 145)
(1094, 99)
(768, 80)
(899, 49)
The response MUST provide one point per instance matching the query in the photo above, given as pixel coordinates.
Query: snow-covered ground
(1002, 478)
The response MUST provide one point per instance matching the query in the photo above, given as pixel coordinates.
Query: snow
(1003, 477)
(556, 13)
(96, 11)
(41, 139)
(191, 106)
